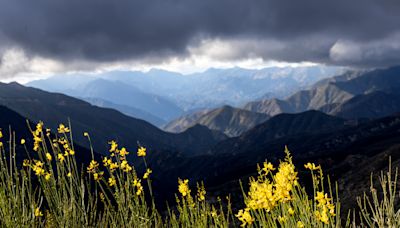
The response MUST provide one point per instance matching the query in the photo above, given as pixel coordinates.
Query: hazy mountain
(114, 94)
(208, 89)
(231, 121)
(328, 94)
(103, 124)
(127, 110)
(67, 84)
(123, 94)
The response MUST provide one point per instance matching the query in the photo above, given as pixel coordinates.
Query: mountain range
(352, 95)
(359, 137)
(342, 95)
(168, 95)
(102, 123)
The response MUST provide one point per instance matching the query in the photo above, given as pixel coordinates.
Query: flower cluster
(285, 179)
(147, 173)
(141, 152)
(312, 166)
(37, 138)
(93, 168)
(183, 187)
(138, 184)
(111, 181)
(125, 166)
(261, 195)
(245, 217)
(66, 146)
(265, 193)
(120, 156)
(62, 129)
(116, 152)
(38, 168)
(325, 207)
(201, 193)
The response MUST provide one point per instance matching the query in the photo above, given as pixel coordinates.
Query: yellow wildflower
(26, 163)
(66, 145)
(113, 146)
(38, 168)
(311, 166)
(49, 157)
(125, 166)
(183, 187)
(245, 217)
(62, 129)
(111, 181)
(325, 206)
(47, 176)
(285, 179)
(39, 128)
(85, 134)
(38, 213)
(291, 211)
(36, 136)
(98, 176)
(36, 143)
(201, 193)
(113, 166)
(1, 144)
(1, 134)
(22, 141)
(268, 167)
(92, 166)
(139, 188)
(60, 157)
(123, 152)
(147, 173)
(282, 219)
(71, 152)
(137, 182)
(106, 161)
(260, 195)
(300, 224)
(69, 174)
(141, 152)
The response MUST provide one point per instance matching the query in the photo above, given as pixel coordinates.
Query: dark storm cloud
(105, 30)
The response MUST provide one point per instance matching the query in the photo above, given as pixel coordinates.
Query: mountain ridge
(226, 119)
(103, 123)
(328, 94)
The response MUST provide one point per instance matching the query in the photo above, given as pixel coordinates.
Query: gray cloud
(285, 30)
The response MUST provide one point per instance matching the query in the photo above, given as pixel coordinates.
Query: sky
(45, 37)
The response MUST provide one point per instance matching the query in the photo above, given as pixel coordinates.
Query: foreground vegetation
(50, 190)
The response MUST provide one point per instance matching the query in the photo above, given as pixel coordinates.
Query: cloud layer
(356, 32)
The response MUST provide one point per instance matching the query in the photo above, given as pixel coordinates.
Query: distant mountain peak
(226, 119)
